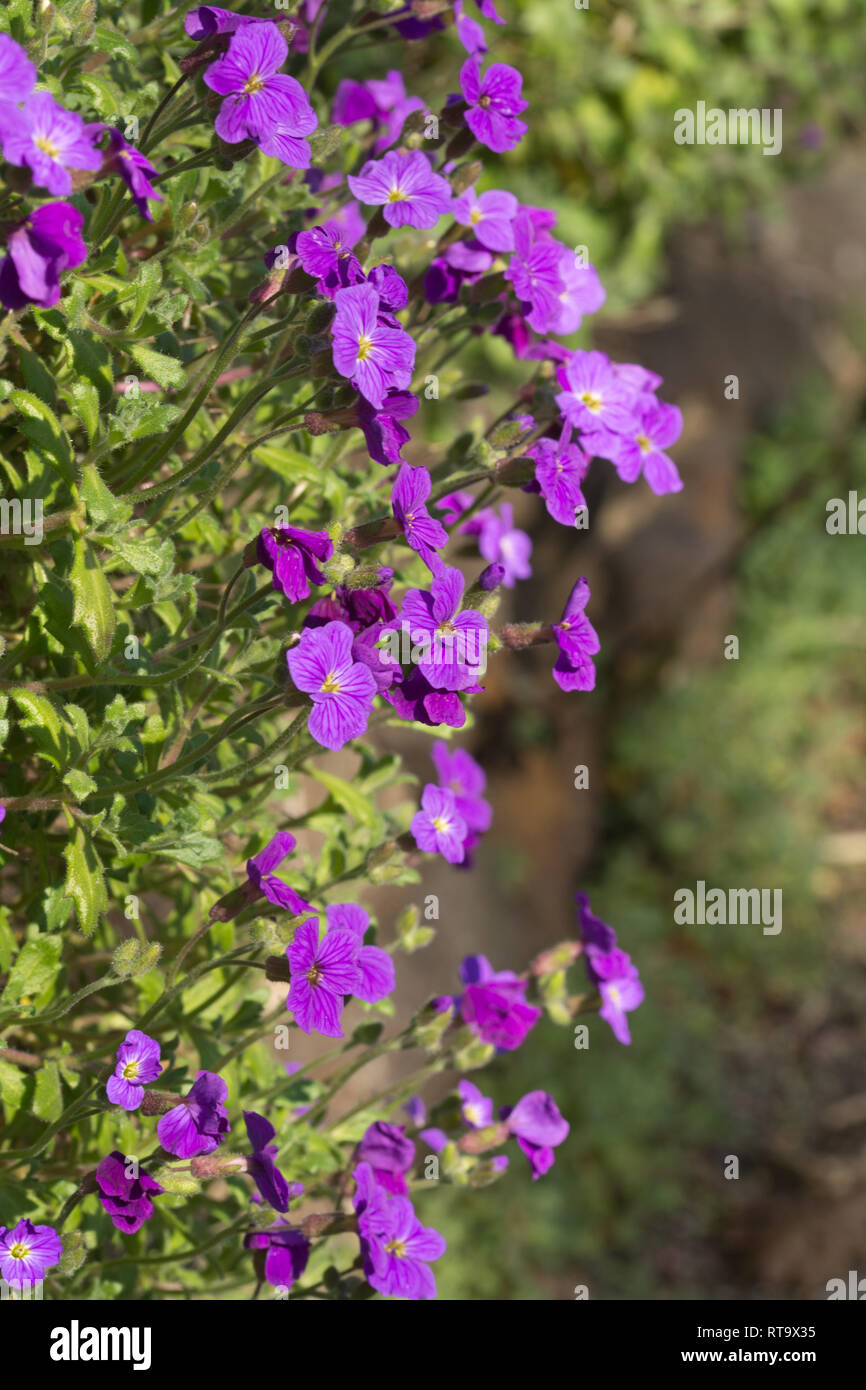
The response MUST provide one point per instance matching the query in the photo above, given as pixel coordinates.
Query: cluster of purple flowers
(454, 814)
(610, 969)
(535, 1122)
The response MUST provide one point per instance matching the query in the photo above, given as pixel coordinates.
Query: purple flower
(322, 972)
(560, 468)
(490, 215)
(397, 1249)
(360, 609)
(534, 271)
(620, 988)
(383, 432)
(391, 288)
(454, 505)
(452, 644)
(137, 1063)
(461, 264)
(123, 1195)
(287, 1253)
(460, 773)
(261, 103)
(438, 827)
(260, 870)
(424, 535)
(375, 356)
(493, 1004)
(416, 1110)
(476, 1109)
(469, 31)
(323, 252)
(132, 166)
(38, 251)
(294, 555)
(261, 1165)
(657, 427)
(405, 186)
(539, 1128)
(17, 73)
(383, 102)
(199, 1124)
(375, 967)
(593, 931)
(47, 138)
(595, 397)
(341, 688)
(26, 1251)
(500, 541)
(390, 1155)
(578, 642)
(416, 701)
(495, 102)
(434, 1138)
(206, 20)
(582, 292)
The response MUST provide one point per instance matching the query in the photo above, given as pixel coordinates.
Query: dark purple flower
(293, 556)
(560, 468)
(476, 1109)
(423, 533)
(375, 356)
(341, 688)
(416, 1110)
(124, 1195)
(495, 102)
(375, 967)
(462, 263)
(450, 644)
(322, 973)
(17, 74)
(38, 251)
(26, 1251)
(206, 20)
(593, 931)
(323, 253)
(132, 166)
(491, 217)
(137, 1063)
(360, 609)
(391, 288)
(418, 702)
(199, 1124)
(261, 1165)
(390, 1155)
(383, 432)
(261, 103)
(578, 643)
(287, 1253)
(397, 1249)
(406, 188)
(260, 870)
(493, 1004)
(47, 138)
(438, 827)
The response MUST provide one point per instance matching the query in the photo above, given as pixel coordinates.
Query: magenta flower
(360, 609)
(125, 1197)
(323, 253)
(38, 251)
(452, 643)
(390, 1155)
(322, 972)
(491, 217)
(375, 967)
(261, 103)
(476, 1109)
(578, 643)
(458, 771)
(423, 533)
(582, 292)
(341, 688)
(26, 1251)
(495, 102)
(397, 1249)
(375, 356)
(501, 542)
(287, 1253)
(658, 426)
(17, 73)
(493, 1004)
(560, 468)
(454, 505)
(534, 271)
(294, 555)
(260, 871)
(595, 934)
(439, 827)
(199, 1124)
(383, 432)
(138, 1062)
(384, 102)
(406, 188)
(261, 1165)
(539, 1128)
(48, 139)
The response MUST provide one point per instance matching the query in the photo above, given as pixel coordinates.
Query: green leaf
(93, 608)
(80, 784)
(42, 721)
(347, 796)
(42, 426)
(85, 883)
(167, 371)
(47, 1103)
(83, 399)
(34, 968)
(12, 1083)
(103, 508)
(147, 283)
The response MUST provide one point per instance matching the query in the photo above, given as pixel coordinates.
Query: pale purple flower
(406, 188)
(126, 1197)
(438, 827)
(620, 989)
(476, 1109)
(138, 1061)
(500, 541)
(17, 73)
(375, 967)
(261, 103)
(423, 533)
(495, 102)
(578, 643)
(48, 139)
(322, 972)
(539, 1128)
(384, 102)
(199, 1124)
(490, 215)
(582, 292)
(397, 1249)
(38, 251)
(594, 397)
(26, 1251)
(458, 771)
(375, 356)
(658, 427)
(342, 689)
(454, 505)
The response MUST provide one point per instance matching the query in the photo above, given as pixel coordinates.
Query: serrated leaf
(34, 968)
(93, 608)
(47, 1103)
(45, 725)
(80, 784)
(85, 883)
(166, 371)
(42, 426)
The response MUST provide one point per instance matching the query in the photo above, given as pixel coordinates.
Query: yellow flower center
(476, 216)
(397, 1247)
(130, 1071)
(614, 994)
(473, 1114)
(397, 196)
(644, 443)
(19, 1251)
(330, 685)
(442, 824)
(592, 400)
(314, 975)
(253, 84)
(484, 101)
(47, 146)
(447, 628)
(365, 348)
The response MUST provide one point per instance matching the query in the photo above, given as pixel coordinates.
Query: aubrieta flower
(287, 1253)
(582, 292)
(389, 1153)
(495, 102)
(384, 434)
(439, 827)
(490, 215)
(610, 969)
(322, 972)
(359, 609)
(207, 20)
(423, 533)
(476, 1109)
(17, 73)
(417, 701)
(374, 355)
(406, 188)
(323, 253)
(261, 103)
(199, 1124)
(535, 272)
(458, 772)
(128, 1199)
(501, 542)
(656, 427)
(294, 556)
(48, 139)
(341, 688)
(261, 1164)
(462, 263)
(260, 871)
(454, 505)
(376, 976)
(383, 102)
(578, 643)
(138, 1062)
(560, 468)
(453, 642)
(38, 251)
(26, 1251)
(595, 397)
(133, 167)
(397, 1249)
(493, 1004)
(539, 1128)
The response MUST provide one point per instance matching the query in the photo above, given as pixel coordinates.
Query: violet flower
(359, 609)
(48, 139)
(476, 1109)
(322, 972)
(17, 73)
(261, 103)
(138, 1062)
(127, 1199)
(657, 427)
(560, 468)
(261, 1165)
(539, 1128)
(417, 701)
(423, 533)
(501, 542)
(323, 253)
(199, 1124)
(490, 215)
(406, 188)
(438, 827)
(287, 1253)
(578, 642)
(495, 102)
(38, 251)
(294, 555)
(341, 688)
(594, 397)
(26, 1251)
(493, 1004)
(458, 771)
(133, 167)
(207, 20)
(384, 434)
(375, 356)
(376, 973)
(260, 871)
(396, 1248)
(390, 1155)
(452, 642)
